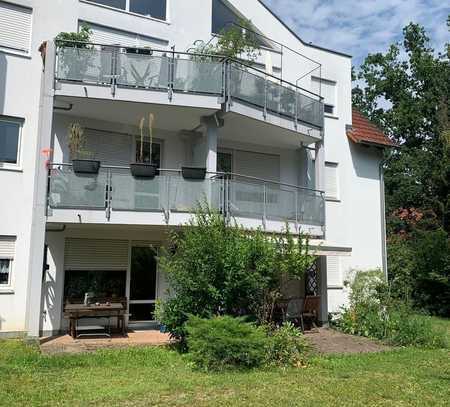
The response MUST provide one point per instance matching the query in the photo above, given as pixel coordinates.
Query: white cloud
(362, 27)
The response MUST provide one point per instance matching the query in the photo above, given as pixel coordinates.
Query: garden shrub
(215, 267)
(225, 342)
(286, 346)
(374, 313)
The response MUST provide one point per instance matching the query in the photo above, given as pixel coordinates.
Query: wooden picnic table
(75, 312)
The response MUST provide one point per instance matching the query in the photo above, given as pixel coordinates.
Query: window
(5, 271)
(10, 130)
(327, 89)
(331, 181)
(329, 109)
(150, 8)
(156, 152)
(7, 249)
(224, 162)
(15, 23)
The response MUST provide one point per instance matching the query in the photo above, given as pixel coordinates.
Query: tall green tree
(406, 91)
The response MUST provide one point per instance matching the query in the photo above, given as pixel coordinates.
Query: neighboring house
(279, 127)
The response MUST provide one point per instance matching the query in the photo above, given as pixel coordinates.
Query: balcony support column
(37, 237)
(212, 124)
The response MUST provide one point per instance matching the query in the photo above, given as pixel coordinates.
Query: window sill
(10, 168)
(329, 199)
(331, 116)
(6, 291)
(16, 53)
(335, 287)
(118, 10)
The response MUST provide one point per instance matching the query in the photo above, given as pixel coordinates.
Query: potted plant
(82, 160)
(142, 169)
(195, 173)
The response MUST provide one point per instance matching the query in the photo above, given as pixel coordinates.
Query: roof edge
(342, 54)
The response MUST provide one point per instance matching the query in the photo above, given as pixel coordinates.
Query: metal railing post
(114, 67)
(265, 98)
(167, 210)
(296, 210)
(109, 189)
(171, 68)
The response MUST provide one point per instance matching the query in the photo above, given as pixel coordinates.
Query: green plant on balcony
(74, 53)
(82, 159)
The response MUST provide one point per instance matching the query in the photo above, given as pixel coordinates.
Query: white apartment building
(274, 136)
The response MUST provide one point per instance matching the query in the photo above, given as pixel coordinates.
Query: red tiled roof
(365, 132)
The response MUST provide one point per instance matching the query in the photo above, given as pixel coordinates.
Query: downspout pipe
(383, 220)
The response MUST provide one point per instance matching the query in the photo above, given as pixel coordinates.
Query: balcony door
(143, 284)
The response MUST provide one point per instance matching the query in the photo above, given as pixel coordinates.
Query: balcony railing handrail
(213, 173)
(225, 58)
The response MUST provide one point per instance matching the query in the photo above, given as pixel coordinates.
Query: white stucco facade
(191, 128)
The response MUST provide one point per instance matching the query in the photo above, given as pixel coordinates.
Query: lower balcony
(115, 196)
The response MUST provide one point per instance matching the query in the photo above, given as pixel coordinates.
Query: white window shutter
(96, 254)
(15, 27)
(331, 181)
(334, 275)
(7, 247)
(110, 36)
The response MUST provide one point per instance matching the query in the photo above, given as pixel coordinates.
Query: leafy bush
(225, 342)
(286, 346)
(216, 268)
(374, 313)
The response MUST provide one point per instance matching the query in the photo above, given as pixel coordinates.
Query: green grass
(161, 377)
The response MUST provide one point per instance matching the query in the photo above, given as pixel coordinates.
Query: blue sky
(360, 27)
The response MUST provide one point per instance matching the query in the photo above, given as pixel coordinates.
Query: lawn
(158, 376)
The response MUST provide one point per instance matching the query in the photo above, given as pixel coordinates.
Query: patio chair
(311, 309)
(294, 312)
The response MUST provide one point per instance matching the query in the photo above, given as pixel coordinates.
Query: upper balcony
(244, 94)
(114, 196)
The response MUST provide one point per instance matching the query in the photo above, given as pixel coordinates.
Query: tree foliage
(406, 91)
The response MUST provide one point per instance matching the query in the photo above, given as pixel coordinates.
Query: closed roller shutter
(110, 148)
(110, 36)
(334, 276)
(15, 27)
(7, 247)
(265, 166)
(96, 254)
(331, 181)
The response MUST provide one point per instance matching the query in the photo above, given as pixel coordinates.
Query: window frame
(16, 51)
(335, 165)
(8, 285)
(127, 10)
(18, 164)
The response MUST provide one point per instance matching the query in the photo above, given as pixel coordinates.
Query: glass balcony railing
(115, 189)
(176, 72)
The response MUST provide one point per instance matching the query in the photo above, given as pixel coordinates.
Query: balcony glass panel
(85, 65)
(187, 195)
(311, 208)
(280, 203)
(191, 75)
(133, 194)
(310, 110)
(247, 87)
(143, 71)
(246, 199)
(70, 190)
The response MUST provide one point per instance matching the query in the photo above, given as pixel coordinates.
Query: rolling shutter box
(15, 27)
(96, 254)
(7, 247)
(334, 275)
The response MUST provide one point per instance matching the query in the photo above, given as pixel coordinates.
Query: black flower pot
(143, 170)
(196, 173)
(85, 166)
